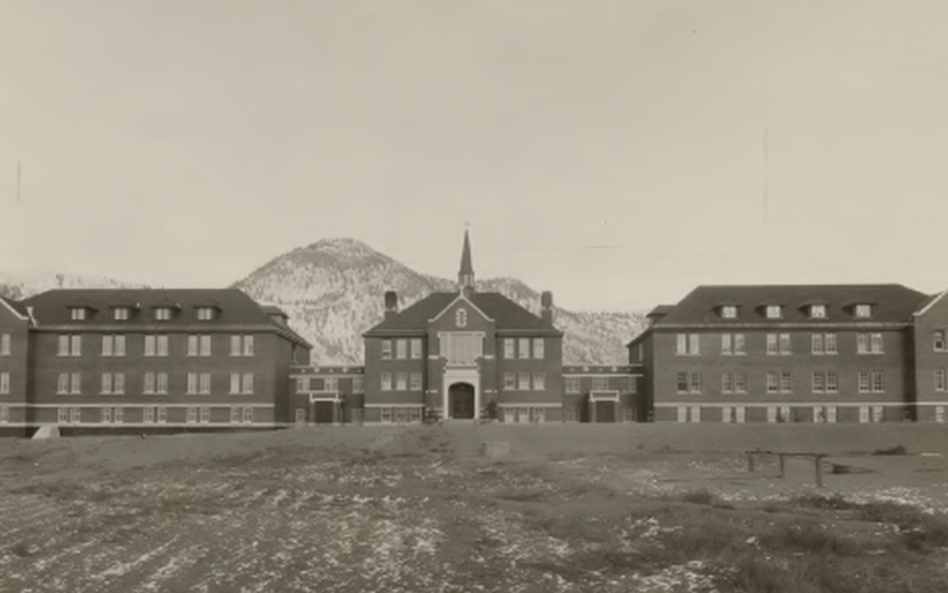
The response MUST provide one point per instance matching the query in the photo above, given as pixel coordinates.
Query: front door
(605, 411)
(461, 396)
(324, 412)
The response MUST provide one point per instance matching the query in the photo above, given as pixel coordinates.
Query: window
(863, 382)
(163, 313)
(63, 346)
(117, 414)
(401, 349)
(234, 414)
(415, 384)
(205, 383)
(863, 311)
(162, 414)
(192, 345)
(149, 386)
(818, 311)
(773, 311)
(75, 345)
(205, 345)
(385, 414)
(785, 382)
(357, 385)
(740, 383)
(938, 341)
(205, 313)
(105, 415)
(106, 383)
(300, 415)
(247, 383)
(875, 343)
(729, 312)
(386, 381)
(688, 344)
(829, 344)
(693, 343)
(771, 343)
(572, 384)
(148, 415)
(510, 381)
(538, 348)
(695, 383)
(862, 343)
(401, 381)
(940, 380)
(727, 383)
(509, 348)
(62, 415)
(460, 318)
(878, 382)
(772, 382)
(539, 381)
(682, 382)
(120, 314)
(191, 417)
(113, 345)
(818, 382)
(192, 383)
(832, 382)
(75, 415)
(524, 383)
(75, 383)
(386, 349)
(816, 343)
(241, 345)
(4, 383)
(149, 345)
(627, 385)
(416, 348)
(78, 314)
(248, 415)
(205, 415)
(600, 383)
(726, 347)
(739, 344)
(62, 386)
(784, 343)
(161, 383)
(524, 347)
(4, 344)
(462, 348)
(414, 414)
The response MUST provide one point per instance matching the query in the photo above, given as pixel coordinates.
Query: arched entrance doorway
(461, 401)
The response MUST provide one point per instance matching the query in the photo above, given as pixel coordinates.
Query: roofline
(788, 325)
(930, 304)
(10, 307)
(461, 296)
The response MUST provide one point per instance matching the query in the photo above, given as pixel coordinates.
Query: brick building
(867, 353)
(145, 358)
(464, 355)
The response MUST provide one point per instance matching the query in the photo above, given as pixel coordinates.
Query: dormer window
(163, 313)
(773, 312)
(818, 311)
(863, 311)
(78, 313)
(729, 312)
(120, 314)
(205, 313)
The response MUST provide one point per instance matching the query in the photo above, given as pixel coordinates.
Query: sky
(616, 152)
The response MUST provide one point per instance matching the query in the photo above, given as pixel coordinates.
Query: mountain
(20, 285)
(333, 291)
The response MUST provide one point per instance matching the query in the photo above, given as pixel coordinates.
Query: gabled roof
(15, 306)
(51, 308)
(507, 315)
(892, 303)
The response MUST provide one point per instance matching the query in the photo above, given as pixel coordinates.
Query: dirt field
(571, 508)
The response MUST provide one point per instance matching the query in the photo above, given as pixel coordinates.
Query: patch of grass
(702, 496)
(895, 450)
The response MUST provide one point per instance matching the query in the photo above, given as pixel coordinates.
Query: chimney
(546, 306)
(391, 303)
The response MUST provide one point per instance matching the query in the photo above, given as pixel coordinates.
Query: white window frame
(727, 382)
(539, 348)
(148, 383)
(120, 314)
(246, 384)
(740, 382)
(510, 381)
(862, 343)
(205, 415)
(681, 382)
(726, 344)
(572, 385)
(235, 383)
(386, 349)
(539, 381)
(75, 345)
(192, 384)
(523, 381)
(939, 343)
(163, 314)
(416, 348)
(772, 346)
(75, 383)
(414, 382)
(786, 345)
(878, 381)
(509, 348)
(729, 312)
(106, 387)
(161, 383)
(62, 384)
(774, 312)
(817, 311)
(830, 344)
(248, 415)
(204, 383)
(524, 347)
(739, 344)
(5, 344)
(150, 345)
(401, 349)
(695, 383)
(148, 415)
(940, 380)
(401, 381)
(876, 343)
(191, 415)
(864, 382)
(863, 311)
(816, 343)
(118, 384)
(386, 382)
(5, 382)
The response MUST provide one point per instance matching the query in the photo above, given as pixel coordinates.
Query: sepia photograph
(473, 296)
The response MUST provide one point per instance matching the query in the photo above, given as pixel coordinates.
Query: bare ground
(572, 508)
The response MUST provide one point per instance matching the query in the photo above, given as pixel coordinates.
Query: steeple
(466, 274)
